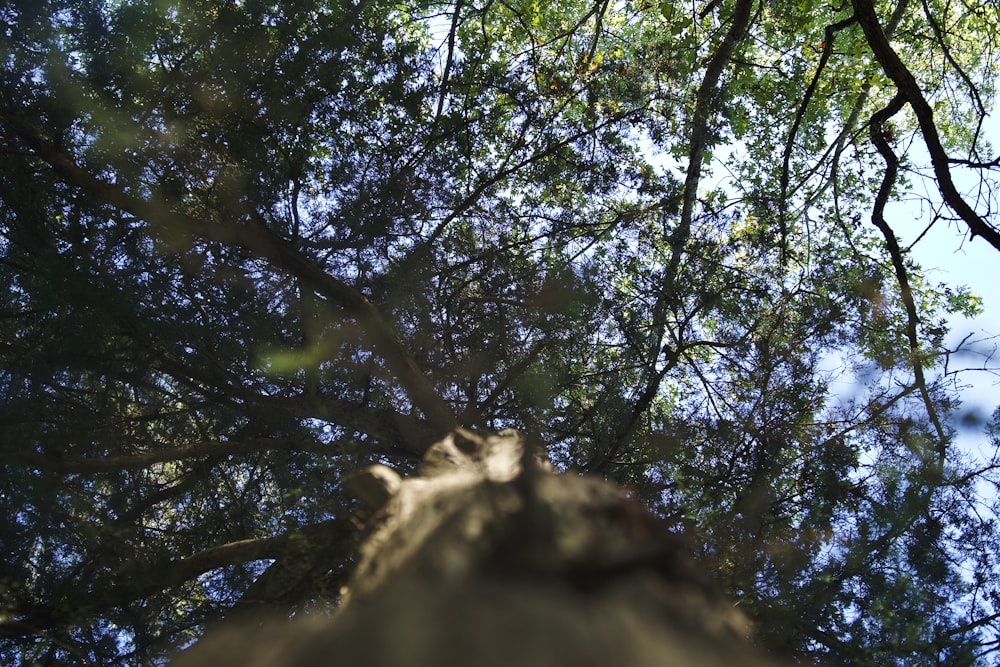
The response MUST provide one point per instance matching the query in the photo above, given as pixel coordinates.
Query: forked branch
(909, 92)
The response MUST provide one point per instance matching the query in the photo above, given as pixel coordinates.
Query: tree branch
(896, 254)
(829, 35)
(910, 92)
(191, 450)
(262, 242)
(136, 580)
(703, 108)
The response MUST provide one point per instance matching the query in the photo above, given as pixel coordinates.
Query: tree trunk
(488, 557)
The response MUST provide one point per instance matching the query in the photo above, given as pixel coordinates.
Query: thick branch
(639, 408)
(473, 413)
(896, 254)
(263, 243)
(704, 103)
(910, 91)
(191, 450)
(698, 142)
(829, 35)
(132, 584)
(405, 435)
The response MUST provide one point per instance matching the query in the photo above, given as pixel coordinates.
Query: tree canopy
(248, 247)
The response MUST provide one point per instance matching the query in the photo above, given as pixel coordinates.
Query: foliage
(248, 247)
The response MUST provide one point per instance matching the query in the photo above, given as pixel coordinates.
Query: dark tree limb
(698, 141)
(260, 241)
(397, 433)
(446, 72)
(829, 35)
(191, 450)
(910, 93)
(639, 408)
(136, 581)
(699, 138)
(877, 133)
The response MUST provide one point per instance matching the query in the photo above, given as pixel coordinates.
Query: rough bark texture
(487, 557)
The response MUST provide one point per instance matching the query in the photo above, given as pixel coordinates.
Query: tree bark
(488, 557)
